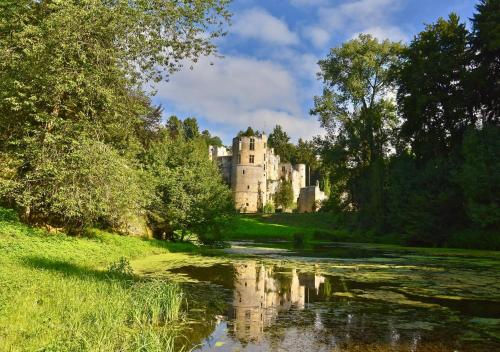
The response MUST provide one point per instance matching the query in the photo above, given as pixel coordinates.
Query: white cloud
(258, 24)
(317, 35)
(237, 92)
(361, 16)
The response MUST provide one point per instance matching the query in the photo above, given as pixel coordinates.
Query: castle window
(248, 187)
(239, 158)
(252, 159)
(264, 166)
(252, 144)
(264, 157)
(265, 145)
(243, 172)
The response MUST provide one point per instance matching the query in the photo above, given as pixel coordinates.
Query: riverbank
(61, 293)
(320, 227)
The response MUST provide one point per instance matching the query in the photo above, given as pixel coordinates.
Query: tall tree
(280, 141)
(175, 127)
(432, 95)
(437, 106)
(359, 117)
(191, 129)
(306, 153)
(486, 50)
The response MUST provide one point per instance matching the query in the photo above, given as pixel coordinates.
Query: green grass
(61, 293)
(287, 227)
(313, 228)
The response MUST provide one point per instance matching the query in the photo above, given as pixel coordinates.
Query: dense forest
(412, 142)
(413, 137)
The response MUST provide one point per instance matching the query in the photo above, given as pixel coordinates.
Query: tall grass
(59, 293)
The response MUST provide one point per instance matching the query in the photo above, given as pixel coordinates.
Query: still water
(348, 300)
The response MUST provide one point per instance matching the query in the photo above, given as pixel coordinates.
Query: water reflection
(275, 308)
(261, 293)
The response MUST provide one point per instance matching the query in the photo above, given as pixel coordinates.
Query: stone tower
(249, 173)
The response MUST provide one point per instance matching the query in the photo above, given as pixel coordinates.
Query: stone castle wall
(254, 172)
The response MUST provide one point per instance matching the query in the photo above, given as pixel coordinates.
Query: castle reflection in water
(261, 293)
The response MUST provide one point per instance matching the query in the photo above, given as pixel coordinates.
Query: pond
(338, 297)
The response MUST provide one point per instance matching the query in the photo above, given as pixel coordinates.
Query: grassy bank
(320, 227)
(286, 227)
(60, 293)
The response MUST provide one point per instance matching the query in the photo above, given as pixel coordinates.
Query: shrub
(121, 267)
(268, 208)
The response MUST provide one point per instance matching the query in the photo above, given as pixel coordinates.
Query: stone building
(310, 199)
(254, 172)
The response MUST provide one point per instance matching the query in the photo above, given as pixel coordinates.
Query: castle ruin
(254, 172)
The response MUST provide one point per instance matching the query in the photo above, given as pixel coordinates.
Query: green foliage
(156, 303)
(75, 184)
(359, 120)
(486, 51)
(74, 116)
(284, 196)
(190, 194)
(431, 177)
(480, 176)
(211, 140)
(249, 133)
(280, 141)
(434, 102)
(268, 208)
(121, 268)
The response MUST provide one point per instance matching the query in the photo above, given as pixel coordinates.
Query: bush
(121, 267)
(74, 184)
(268, 208)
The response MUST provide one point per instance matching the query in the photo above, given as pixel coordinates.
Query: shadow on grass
(8, 215)
(70, 269)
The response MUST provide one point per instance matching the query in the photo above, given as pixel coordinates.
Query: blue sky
(268, 73)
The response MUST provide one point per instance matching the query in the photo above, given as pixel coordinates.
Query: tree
(437, 107)
(359, 117)
(306, 153)
(76, 184)
(248, 133)
(479, 176)
(211, 140)
(191, 129)
(486, 51)
(71, 80)
(175, 127)
(432, 95)
(191, 197)
(284, 196)
(280, 141)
